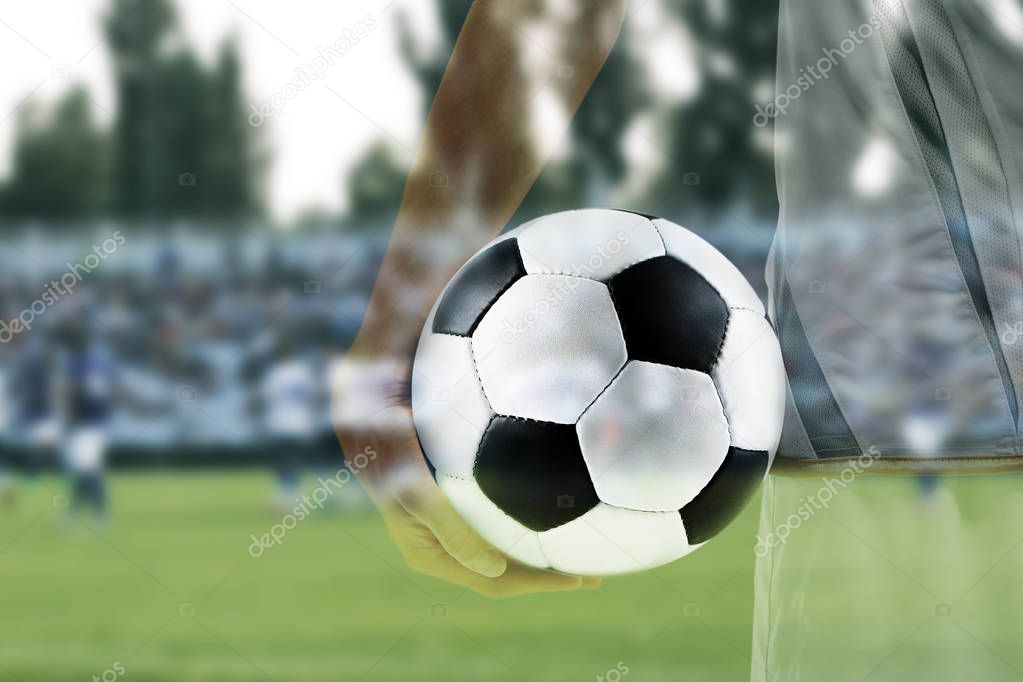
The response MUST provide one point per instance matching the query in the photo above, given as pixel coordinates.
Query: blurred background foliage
(178, 119)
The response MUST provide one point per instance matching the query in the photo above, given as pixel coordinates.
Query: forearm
(483, 147)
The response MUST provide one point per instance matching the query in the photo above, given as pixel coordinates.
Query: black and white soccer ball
(598, 392)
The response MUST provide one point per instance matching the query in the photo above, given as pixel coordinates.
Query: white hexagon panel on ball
(548, 347)
(655, 438)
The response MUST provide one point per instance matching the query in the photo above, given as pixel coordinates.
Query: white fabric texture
(899, 138)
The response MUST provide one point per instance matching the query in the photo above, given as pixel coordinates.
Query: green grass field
(168, 591)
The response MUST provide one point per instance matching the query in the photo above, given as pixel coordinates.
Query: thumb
(457, 537)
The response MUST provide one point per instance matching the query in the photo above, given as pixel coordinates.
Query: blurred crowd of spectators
(160, 356)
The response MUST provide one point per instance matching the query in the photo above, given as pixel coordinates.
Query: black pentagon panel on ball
(534, 472)
(670, 314)
(476, 286)
(725, 496)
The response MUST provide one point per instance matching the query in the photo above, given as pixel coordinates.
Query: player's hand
(374, 426)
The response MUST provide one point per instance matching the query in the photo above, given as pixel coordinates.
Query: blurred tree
(180, 122)
(375, 186)
(712, 142)
(137, 29)
(234, 164)
(183, 145)
(317, 219)
(61, 164)
(137, 32)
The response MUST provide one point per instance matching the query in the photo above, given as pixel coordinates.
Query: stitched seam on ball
(648, 221)
(536, 536)
(476, 371)
(719, 416)
(543, 552)
(717, 355)
(721, 344)
(714, 379)
(602, 392)
(479, 446)
(602, 280)
(642, 511)
(690, 266)
(564, 274)
(664, 244)
(722, 394)
(479, 381)
(530, 419)
(748, 310)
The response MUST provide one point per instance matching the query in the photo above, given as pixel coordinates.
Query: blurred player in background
(8, 489)
(33, 390)
(291, 398)
(86, 399)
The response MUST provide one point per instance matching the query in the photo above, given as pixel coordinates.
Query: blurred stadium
(177, 390)
(195, 326)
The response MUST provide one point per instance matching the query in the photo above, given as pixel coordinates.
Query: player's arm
(484, 146)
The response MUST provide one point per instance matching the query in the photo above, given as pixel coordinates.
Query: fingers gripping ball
(598, 392)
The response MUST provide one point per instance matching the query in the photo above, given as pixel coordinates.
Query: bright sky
(315, 138)
(322, 131)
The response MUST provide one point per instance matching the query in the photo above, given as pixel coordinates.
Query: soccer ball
(598, 392)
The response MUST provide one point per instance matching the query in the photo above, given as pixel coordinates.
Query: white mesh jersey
(895, 275)
(895, 287)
